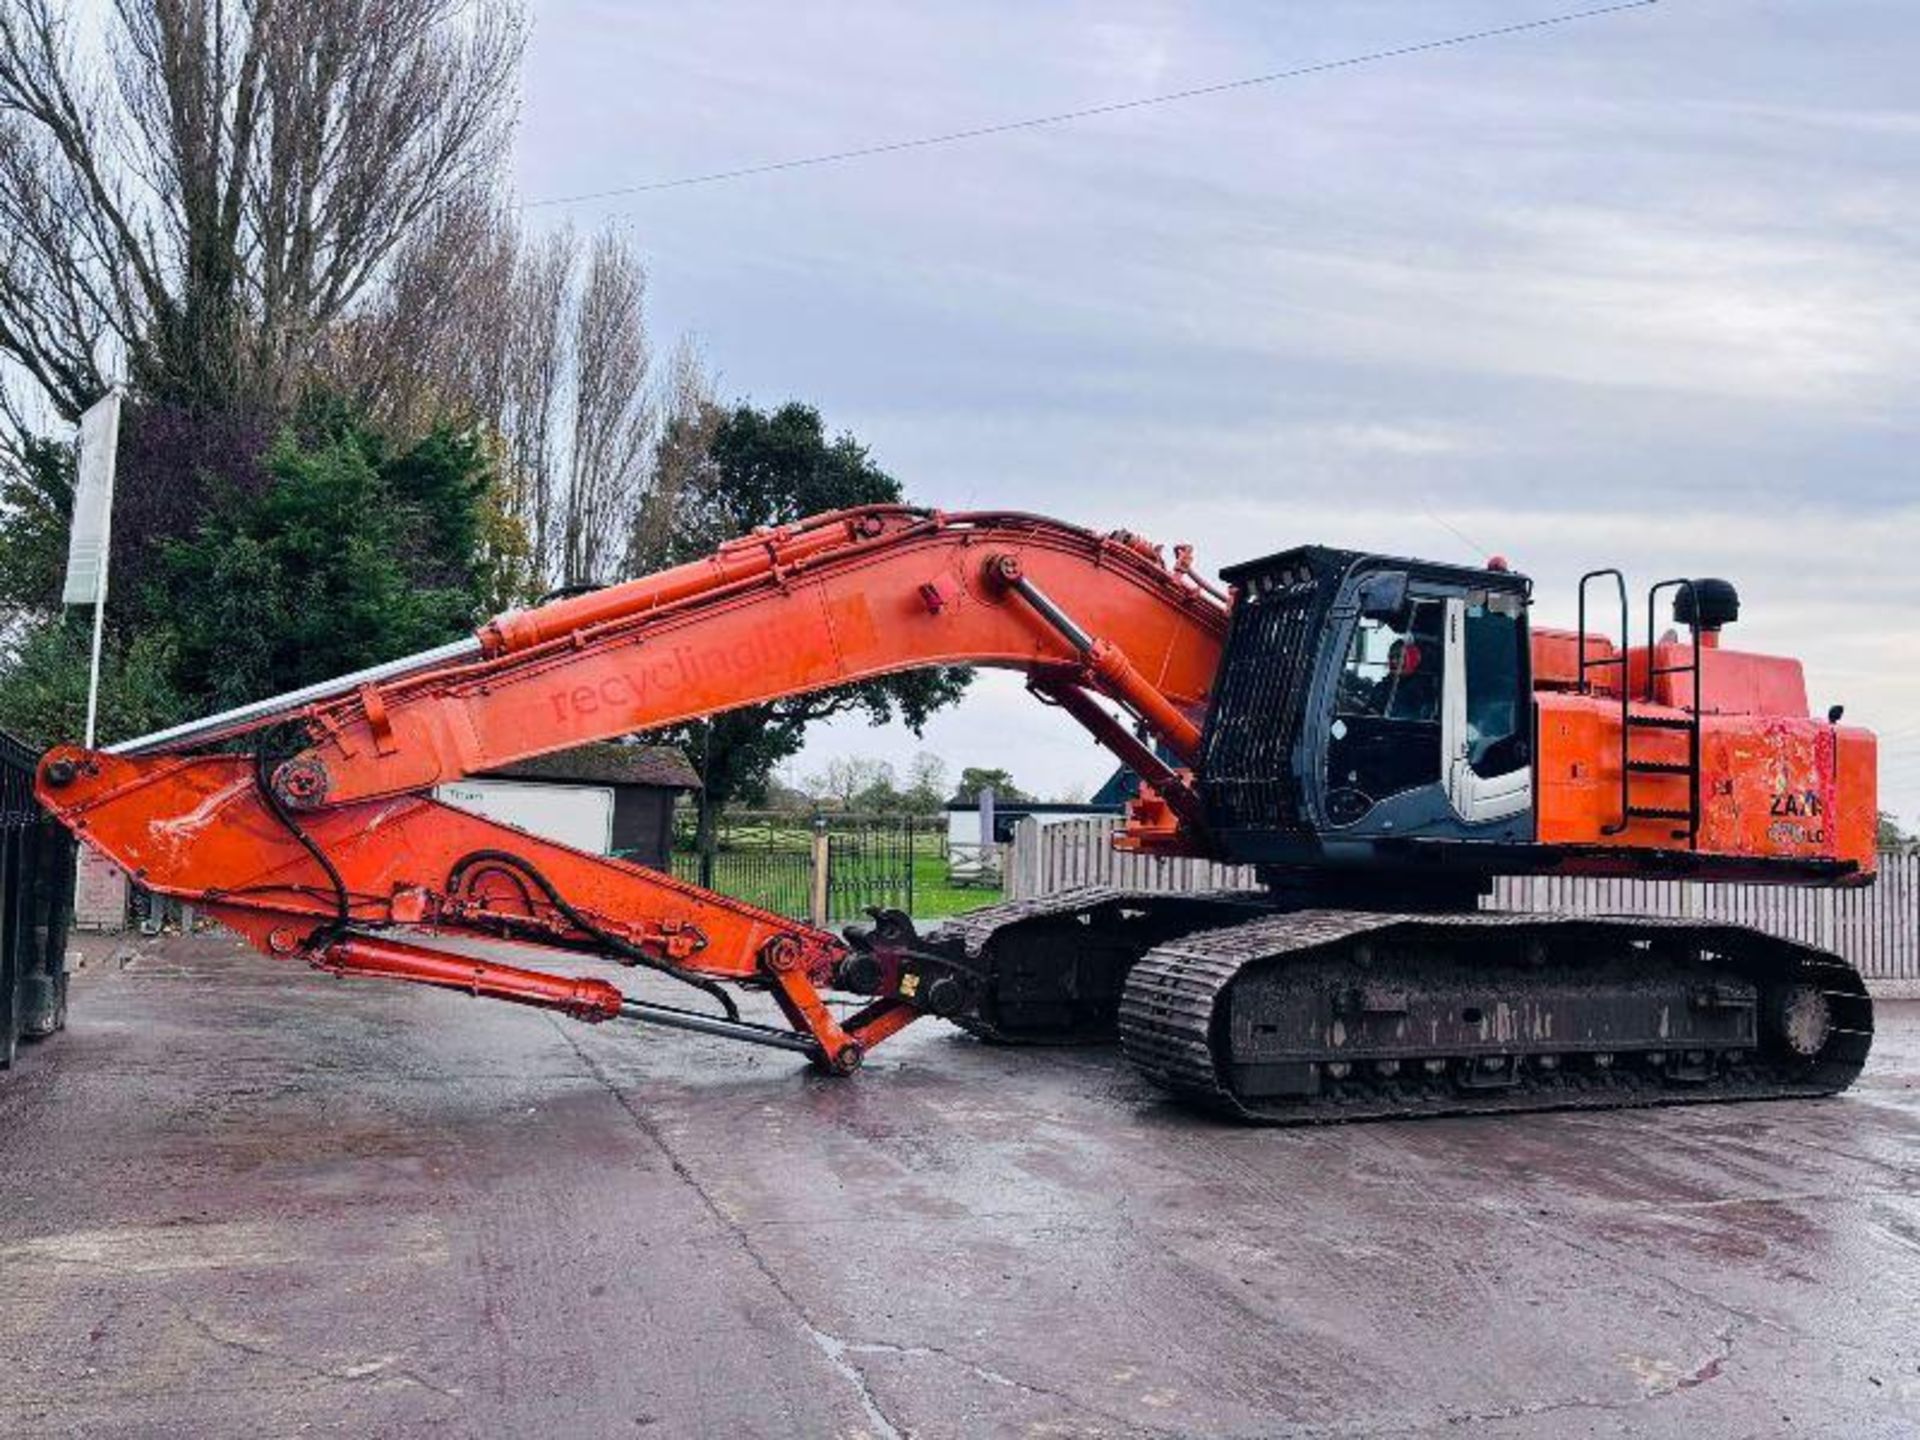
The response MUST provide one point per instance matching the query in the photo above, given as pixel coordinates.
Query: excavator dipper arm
(339, 850)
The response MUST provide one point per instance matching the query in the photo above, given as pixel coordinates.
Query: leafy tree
(346, 558)
(43, 684)
(973, 780)
(856, 782)
(505, 560)
(169, 458)
(176, 466)
(1891, 836)
(880, 798)
(926, 792)
(772, 468)
(226, 220)
(36, 501)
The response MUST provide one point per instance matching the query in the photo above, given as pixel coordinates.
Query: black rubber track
(1125, 924)
(1172, 1018)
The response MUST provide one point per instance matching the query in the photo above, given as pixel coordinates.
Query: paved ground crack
(349, 1374)
(843, 1354)
(832, 1346)
(1705, 1370)
(1009, 1382)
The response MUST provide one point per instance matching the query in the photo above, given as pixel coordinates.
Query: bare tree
(537, 368)
(417, 354)
(546, 343)
(682, 458)
(927, 787)
(245, 176)
(613, 414)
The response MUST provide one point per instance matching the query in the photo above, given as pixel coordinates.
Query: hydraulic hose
(515, 865)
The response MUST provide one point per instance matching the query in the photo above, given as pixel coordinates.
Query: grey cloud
(1642, 290)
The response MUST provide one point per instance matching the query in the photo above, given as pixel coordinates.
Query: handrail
(1619, 657)
(1655, 670)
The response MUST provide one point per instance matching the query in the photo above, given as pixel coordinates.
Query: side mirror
(1383, 596)
(1834, 712)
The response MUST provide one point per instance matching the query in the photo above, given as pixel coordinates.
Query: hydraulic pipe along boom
(246, 717)
(1108, 664)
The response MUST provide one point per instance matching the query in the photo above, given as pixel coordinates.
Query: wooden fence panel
(1877, 929)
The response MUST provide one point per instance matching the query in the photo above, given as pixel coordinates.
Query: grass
(778, 881)
(935, 899)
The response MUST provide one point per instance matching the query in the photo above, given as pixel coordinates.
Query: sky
(1642, 290)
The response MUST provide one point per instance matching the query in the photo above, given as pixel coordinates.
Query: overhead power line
(1063, 117)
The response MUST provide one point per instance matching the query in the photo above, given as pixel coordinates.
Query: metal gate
(869, 863)
(826, 869)
(36, 899)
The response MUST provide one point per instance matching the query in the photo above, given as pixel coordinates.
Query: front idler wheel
(1802, 1021)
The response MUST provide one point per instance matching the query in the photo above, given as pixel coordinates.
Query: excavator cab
(1367, 703)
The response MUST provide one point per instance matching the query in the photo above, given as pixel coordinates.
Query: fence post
(1022, 875)
(913, 855)
(817, 876)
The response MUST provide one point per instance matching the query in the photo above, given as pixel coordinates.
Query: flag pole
(99, 626)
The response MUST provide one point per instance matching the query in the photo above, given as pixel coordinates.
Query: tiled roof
(607, 763)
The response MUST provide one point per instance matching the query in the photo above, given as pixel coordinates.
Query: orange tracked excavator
(1378, 736)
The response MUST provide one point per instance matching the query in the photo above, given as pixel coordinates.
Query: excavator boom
(324, 853)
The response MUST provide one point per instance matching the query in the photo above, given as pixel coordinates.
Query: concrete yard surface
(241, 1199)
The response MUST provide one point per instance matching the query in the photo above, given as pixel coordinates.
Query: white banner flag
(93, 503)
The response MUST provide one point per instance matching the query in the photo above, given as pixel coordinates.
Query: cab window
(1385, 734)
(1497, 712)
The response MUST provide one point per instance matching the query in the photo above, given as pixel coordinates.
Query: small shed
(610, 797)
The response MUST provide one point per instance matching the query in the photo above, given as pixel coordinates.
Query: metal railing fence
(826, 870)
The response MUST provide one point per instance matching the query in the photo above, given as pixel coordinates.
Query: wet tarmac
(244, 1200)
